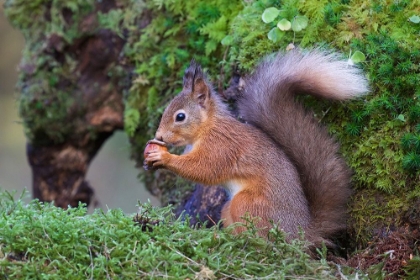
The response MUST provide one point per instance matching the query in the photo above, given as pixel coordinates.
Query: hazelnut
(151, 146)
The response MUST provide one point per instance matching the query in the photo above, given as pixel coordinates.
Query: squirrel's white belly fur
(233, 187)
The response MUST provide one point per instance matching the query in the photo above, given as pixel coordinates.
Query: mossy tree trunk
(60, 151)
(70, 101)
(59, 167)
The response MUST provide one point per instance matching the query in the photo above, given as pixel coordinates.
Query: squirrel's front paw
(157, 158)
(152, 155)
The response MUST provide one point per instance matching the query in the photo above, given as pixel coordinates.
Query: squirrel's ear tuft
(195, 82)
(192, 73)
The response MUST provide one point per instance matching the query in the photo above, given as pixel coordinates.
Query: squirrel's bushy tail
(268, 102)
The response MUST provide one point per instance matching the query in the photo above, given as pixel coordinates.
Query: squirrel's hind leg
(242, 209)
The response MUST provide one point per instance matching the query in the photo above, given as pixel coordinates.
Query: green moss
(41, 18)
(42, 241)
(164, 48)
(46, 84)
(43, 107)
(377, 158)
(372, 211)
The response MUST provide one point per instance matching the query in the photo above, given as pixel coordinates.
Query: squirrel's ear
(201, 92)
(195, 82)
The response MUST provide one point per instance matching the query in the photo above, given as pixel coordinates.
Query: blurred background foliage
(380, 134)
(14, 171)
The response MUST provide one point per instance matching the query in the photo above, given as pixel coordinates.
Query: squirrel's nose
(159, 136)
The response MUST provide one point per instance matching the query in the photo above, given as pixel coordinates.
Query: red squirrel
(278, 164)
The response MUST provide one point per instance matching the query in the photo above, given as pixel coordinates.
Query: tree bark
(204, 205)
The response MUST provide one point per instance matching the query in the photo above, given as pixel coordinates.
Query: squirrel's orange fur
(278, 163)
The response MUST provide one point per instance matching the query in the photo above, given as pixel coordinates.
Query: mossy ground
(41, 241)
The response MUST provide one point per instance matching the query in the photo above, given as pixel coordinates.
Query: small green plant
(356, 57)
(415, 19)
(297, 23)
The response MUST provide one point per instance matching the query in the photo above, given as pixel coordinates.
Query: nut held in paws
(152, 146)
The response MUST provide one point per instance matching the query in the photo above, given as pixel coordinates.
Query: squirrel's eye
(180, 117)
